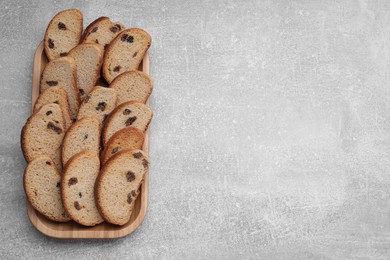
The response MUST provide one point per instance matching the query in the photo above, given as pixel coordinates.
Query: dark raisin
(126, 111)
(133, 193)
(48, 163)
(145, 163)
(61, 26)
(55, 128)
(117, 68)
(57, 122)
(115, 150)
(105, 46)
(72, 181)
(128, 38)
(56, 102)
(130, 121)
(94, 29)
(63, 54)
(51, 43)
(48, 113)
(74, 120)
(58, 184)
(130, 176)
(135, 54)
(97, 41)
(77, 205)
(129, 198)
(116, 28)
(81, 91)
(101, 106)
(52, 83)
(86, 99)
(85, 136)
(137, 155)
(80, 195)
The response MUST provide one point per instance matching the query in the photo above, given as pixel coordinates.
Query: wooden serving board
(72, 229)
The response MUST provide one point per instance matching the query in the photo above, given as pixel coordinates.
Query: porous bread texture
(125, 52)
(117, 186)
(132, 86)
(77, 188)
(84, 134)
(130, 113)
(98, 103)
(56, 95)
(126, 138)
(43, 134)
(88, 58)
(42, 187)
(63, 33)
(62, 72)
(102, 31)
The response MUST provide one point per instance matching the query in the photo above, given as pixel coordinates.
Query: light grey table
(271, 136)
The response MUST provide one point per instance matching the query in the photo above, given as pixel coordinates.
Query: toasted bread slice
(128, 138)
(132, 86)
(125, 52)
(62, 72)
(130, 113)
(42, 183)
(63, 33)
(117, 186)
(84, 134)
(43, 133)
(77, 188)
(56, 95)
(98, 103)
(88, 58)
(102, 31)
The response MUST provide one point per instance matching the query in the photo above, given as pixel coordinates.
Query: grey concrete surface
(271, 136)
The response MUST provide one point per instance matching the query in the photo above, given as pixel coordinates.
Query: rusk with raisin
(125, 52)
(84, 134)
(129, 113)
(63, 33)
(77, 188)
(42, 183)
(43, 133)
(62, 72)
(117, 186)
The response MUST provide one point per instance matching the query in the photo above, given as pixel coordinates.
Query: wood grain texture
(72, 229)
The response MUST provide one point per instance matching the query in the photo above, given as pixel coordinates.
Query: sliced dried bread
(43, 133)
(130, 113)
(88, 58)
(102, 31)
(77, 188)
(42, 183)
(62, 72)
(117, 186)
(125, 52)
(63, 33)
(132, 86)
(58, 96)
(84, 134)
(127, 138)
(98, 103)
